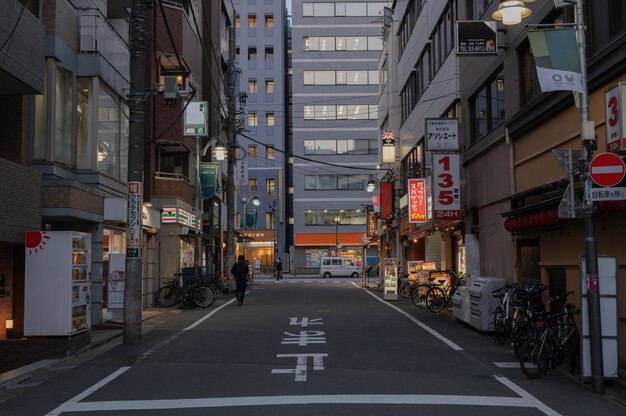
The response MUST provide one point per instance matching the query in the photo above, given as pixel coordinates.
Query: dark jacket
(240, 270)
(279, 266)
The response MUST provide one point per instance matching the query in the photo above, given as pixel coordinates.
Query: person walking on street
(279, 270)
(240, 271)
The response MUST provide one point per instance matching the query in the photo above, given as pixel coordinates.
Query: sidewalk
(99, 335)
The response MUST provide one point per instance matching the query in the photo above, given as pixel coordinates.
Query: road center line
(425, 327)
(208, 315)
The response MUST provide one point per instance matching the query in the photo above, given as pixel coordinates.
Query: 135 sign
(446, 186)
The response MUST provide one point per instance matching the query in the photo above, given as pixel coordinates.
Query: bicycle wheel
(499, 325)
(418, 296)
(533, 358)
(405, 289)
(166, 297)
(203, 296)
(435, 299)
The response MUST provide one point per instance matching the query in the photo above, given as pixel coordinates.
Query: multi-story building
(261, 50)
(513, 184)
(335, 130)
(186, 61)
(21, 79)
(420, 81)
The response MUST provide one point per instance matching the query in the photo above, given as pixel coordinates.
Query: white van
(337, 266)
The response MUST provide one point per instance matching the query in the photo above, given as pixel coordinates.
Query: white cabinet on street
(57, 286)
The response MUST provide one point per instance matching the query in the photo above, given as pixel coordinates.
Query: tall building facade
(261, 51)
(335, 49)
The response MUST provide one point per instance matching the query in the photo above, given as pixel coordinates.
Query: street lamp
(588, 146)
(219, 153)
(254, 200)
(512, 12)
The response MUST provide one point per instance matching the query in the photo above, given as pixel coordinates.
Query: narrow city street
(304, 347)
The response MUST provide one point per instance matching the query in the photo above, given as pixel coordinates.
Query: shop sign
(476, 37)
(615, 116)
(372, 228)
(184, 217)
(390, 271)
(417, 200)
(446, 186)
(135, 213)
(168, 215)
(389, 146)
(195, 120)
(442, 134)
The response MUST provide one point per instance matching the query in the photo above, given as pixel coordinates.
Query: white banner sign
(442, 134)
(446, 186)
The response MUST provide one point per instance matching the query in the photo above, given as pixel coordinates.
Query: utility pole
(136, 104)
(591, 246)
(231, 134)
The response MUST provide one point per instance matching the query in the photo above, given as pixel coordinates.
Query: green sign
(250, 217)
(208, 179)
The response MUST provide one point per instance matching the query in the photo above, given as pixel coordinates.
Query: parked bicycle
(528, 313)
(419, 291)
(173, 293)
(559, 342)
(505, 313)
(440, 296)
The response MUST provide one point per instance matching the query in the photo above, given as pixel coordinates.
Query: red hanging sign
(417, 200)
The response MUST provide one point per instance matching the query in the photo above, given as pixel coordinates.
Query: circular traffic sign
(607, 169)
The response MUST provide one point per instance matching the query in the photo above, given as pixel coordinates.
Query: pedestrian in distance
(240, 270)
(279, 269)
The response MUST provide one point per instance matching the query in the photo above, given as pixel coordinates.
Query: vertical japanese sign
(242, 169)
(417, 200)
(442, 134)
(615, 115)
(250, 217)
(371, 221)
(446, 186)
(195, 120)
(386, 200)
(133, 239)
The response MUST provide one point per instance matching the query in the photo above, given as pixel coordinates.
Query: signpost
(476, 37)
(607, 169)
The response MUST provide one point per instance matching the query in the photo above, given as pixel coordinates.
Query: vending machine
(57, 283)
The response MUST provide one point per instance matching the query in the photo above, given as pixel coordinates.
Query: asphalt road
(314, 347)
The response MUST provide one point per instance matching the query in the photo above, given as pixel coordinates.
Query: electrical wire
(14, 27)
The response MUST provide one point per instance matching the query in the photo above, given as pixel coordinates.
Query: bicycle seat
(442, 281)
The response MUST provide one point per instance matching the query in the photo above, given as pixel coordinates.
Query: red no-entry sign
(607, 169)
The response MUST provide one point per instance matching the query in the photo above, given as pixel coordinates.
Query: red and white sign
(615, 117)
(446, 186)
(607, 169)
(417, 200)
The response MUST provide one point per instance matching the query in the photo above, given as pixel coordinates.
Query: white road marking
(301, 364)
(71, 403)
(527, 396)
(428, 329)
(357, 399)
(512, 364)
(208, 315)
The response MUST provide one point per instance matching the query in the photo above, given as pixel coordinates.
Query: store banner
(208, 179)
(371, 222)
(556, 59)
(376, 202)
(446, 186)
(250, 217)
(417, 200)
(386, 200)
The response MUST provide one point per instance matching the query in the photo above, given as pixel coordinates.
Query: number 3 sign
(446, 186)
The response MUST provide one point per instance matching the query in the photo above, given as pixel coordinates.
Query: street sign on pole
(196, 119)
(607, 169)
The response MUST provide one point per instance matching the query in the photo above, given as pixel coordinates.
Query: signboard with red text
(615, 113)
(446, 186)
(417, 200)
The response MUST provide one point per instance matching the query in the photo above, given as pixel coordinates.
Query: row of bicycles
(202, 292)
(433, 294)
(541, 340)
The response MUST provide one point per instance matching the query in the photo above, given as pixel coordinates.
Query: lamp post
(219, 153)
(244, 202)
(337, 244)
(588, 146)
